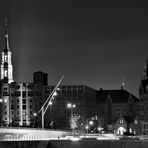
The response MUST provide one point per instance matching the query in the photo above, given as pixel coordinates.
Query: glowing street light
(50, 103)
(71, 106)
(34, 114)
(87, 127)
(54, 94)
(91, 122)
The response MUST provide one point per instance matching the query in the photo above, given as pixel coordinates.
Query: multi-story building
(81, 96)
(113, 104)
(143, 94)
(18, 101)
(6, 78)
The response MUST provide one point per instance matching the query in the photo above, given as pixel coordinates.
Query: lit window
(5, 58)
(136, 122)
(6, 73)
(5, 100)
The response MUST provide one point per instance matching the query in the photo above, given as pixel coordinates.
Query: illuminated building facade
(6, 78)
(19, 103)
(6, 65)
(143, 94)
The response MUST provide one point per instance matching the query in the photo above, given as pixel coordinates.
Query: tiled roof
(117, 96)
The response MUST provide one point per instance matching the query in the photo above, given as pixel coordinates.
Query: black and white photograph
(73, 74)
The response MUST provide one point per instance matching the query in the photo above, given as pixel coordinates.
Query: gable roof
(117, 96)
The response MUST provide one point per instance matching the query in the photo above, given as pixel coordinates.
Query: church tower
(143, 95)
(6, 65)
(143, 90)
(146, 69)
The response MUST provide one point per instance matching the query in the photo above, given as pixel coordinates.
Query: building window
(30, 87)
(5, 58)
(24, 101)
(30, 100)
(6, 73)
(17, 107)
(24, 94)
(30, 93)
(12, 106)
(5, 113)
(5, 88)
(17, 100)
(18, 87)
(121, 121)
(24, 113)
(5, 93)
(30, 106)
(17, 93)
(12, 94)
(24, 106)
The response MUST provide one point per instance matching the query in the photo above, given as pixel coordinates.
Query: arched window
(6, 73)
(5, 58)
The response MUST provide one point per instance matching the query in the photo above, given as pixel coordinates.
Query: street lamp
(48, 101)
(71, 106)
(34, 114)
(91, 122)
(100, 129)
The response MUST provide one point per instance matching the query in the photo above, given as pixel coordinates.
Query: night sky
(90, 42)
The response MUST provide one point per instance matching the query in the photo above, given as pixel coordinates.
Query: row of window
(23, 101)
(23, 106)
(24, 113)
(25, 86)
(26, 93)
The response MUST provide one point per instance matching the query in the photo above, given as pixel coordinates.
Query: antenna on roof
(123, 83)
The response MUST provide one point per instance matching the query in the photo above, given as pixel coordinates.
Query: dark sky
(90, 42)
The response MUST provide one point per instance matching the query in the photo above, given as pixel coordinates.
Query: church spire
(6, 46)
(6, 64)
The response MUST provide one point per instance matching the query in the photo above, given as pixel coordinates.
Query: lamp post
(49, 101)
(71, 106)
